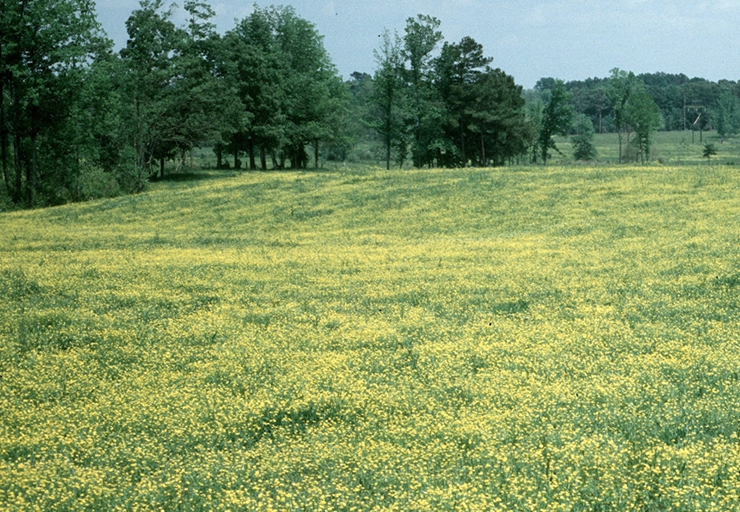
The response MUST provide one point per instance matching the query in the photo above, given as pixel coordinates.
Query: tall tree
(149, 60)
(622, 85)
(45, 49)
(315, 96)
(727, 115)
(643, 116)
(421, 38)
(202, 97)
(557, 117)
(534, 112)
(256, 64)
(497, 118)
(360, 120)
(457, 72)
(388, 94)
(583, 139)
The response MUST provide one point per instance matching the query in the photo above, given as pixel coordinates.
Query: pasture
(524, 339)
(669, 148)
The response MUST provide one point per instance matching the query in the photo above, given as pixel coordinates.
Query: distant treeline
(78, 120)
(684, 102)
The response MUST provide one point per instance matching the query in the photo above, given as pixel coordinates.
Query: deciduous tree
(315, 97)
(622, 85)
(557, 117)
(150, 71)
(45, 50)
(643, 116)
(727, 115)
(583, 139)
(424, 115)
(388, 94)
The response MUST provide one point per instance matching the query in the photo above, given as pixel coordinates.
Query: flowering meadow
(520, 339)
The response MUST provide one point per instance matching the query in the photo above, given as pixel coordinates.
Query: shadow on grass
(194, 175)
(214, 174)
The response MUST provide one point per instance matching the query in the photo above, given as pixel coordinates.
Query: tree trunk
(388, 153)
(263, 158)
(33, 171)
(161, 167)
(483, 150)
(252, 163)
(316, 154)
(620, 144)
(4, 150)
(78, 188)
(236, 156)
(300, 157)
(219, 158)
(17, 148)
(4, 139)
(462, 145)
(18, 156)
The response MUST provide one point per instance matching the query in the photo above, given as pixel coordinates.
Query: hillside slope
(509, 339)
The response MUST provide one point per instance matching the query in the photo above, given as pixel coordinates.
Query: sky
(566, 39)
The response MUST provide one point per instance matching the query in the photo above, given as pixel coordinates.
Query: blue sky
(568, 39)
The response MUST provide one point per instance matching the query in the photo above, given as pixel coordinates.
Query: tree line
(79, 120)
(441, 103)
(684, 103)
(75, 115)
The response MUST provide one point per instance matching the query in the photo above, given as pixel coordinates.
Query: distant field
(525, 339)
(670, 148)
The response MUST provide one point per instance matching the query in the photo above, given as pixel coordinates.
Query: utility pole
(699, 110)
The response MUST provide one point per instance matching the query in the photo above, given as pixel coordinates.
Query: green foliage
(149, 69)
(45, 47)
(534, 110)
(452, 110)
(583, 139)
(388, 97)
(203, 98)
(709, 151)
(69, 106)
(643, 116)
(497, 119)
(727, 115)
(622, 85)
(557, 118)
(289, 91)
(423, 115)
(458, 71)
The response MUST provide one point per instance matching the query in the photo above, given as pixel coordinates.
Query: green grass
(669, 148)
(527, 338)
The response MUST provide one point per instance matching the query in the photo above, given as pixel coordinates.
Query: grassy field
(525, 339)
(669, 148)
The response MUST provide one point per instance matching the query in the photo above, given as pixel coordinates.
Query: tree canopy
(78, 119)
(451, 109)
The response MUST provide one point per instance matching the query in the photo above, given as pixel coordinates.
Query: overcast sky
(568, 39)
